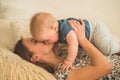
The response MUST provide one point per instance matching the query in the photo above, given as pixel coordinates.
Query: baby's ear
(34, 59)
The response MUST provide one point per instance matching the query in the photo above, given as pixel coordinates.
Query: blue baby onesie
(65, 27)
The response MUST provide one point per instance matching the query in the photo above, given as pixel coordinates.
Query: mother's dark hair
(23, 52)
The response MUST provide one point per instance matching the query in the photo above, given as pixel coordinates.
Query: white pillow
(6, 34)
(21, 29)
(12, 67)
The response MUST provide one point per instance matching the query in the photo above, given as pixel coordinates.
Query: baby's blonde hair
(41, 21)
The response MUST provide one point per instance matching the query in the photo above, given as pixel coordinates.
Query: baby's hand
(66, 65)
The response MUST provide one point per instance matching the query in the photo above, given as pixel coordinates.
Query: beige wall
(106, 10)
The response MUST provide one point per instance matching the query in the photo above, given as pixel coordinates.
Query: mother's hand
(79, 28)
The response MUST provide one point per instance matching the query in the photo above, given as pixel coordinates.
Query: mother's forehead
(28, 41)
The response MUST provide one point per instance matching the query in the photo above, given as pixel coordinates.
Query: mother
(47, 54)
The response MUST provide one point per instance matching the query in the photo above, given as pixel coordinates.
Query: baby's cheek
(53, 39)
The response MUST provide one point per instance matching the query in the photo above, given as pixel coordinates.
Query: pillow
(6, 34)
(12, 67)
(21, 29)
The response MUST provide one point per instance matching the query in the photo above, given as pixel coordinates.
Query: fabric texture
(59, 75)
(20, 29)
(6, 34)
(12, 67)
(84, 60)
(102, 38)
(65, 28)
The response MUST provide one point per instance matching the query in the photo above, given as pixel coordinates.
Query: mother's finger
(71, 22)
(82, 22)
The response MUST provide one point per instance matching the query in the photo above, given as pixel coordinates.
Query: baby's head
(44, 28)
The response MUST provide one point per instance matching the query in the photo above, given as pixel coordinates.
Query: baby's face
(46, 37)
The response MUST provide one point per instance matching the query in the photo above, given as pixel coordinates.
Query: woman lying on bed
(48, 55)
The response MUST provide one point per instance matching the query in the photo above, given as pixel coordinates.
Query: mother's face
(38, 50)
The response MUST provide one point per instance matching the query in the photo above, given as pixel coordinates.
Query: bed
(12, 67)
(14, 25)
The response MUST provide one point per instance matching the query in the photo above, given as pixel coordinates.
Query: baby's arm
(72, 50)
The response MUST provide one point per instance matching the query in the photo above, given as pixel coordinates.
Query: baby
(45, 28)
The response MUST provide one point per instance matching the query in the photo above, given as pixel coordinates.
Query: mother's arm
(100, 66)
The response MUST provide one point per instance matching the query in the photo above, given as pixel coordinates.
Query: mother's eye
(45, 42)
(33, 40)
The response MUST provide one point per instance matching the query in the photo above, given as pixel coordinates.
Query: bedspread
(84, 60)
